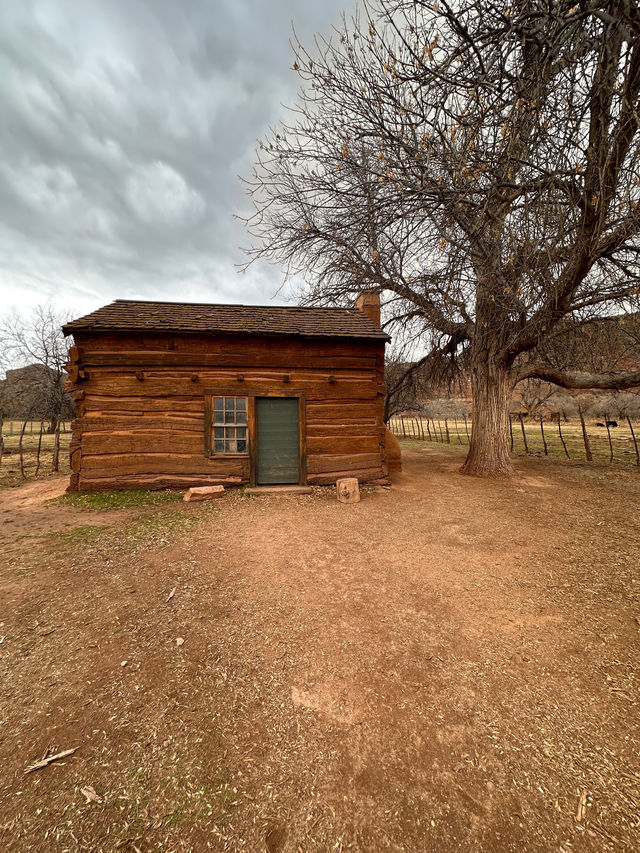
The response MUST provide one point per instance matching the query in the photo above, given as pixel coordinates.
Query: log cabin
(174, 395)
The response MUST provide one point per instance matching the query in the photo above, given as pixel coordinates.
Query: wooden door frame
(251, 394)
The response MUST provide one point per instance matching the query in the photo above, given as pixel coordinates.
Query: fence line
(606, 441)
(13, 426)
(25, 444)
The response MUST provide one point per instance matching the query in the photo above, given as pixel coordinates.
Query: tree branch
(573, 379)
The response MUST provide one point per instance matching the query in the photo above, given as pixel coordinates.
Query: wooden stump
(348, 490)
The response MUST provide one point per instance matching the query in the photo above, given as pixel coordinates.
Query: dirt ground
(451, 664)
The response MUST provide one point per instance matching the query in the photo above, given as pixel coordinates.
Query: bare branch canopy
(475, 163)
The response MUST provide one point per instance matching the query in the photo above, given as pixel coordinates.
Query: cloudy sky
(124, 126)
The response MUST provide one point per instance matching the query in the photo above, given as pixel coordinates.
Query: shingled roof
(128, 315)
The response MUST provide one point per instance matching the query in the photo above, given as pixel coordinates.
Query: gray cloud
(124, 126)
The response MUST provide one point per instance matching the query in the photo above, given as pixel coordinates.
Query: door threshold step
(278, 490)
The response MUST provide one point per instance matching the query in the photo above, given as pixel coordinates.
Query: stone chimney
(369, 303)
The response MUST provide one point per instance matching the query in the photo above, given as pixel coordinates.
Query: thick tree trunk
(489, 447)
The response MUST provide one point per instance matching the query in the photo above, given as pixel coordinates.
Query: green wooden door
(278, 441)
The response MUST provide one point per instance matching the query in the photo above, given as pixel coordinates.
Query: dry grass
(622, 444)
(11, 474)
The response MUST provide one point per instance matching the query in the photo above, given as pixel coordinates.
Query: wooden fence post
(446, 428)
(404, 431)
(440, 431)
(511, 432)
(585, 437)
(56, 449)
(466, 428)
(24, 426)
(455, 421)
(635, 441)
(606, 421)
(429, 430)
(524, 434)
(544, 441)
(39, 448)
(562, 437)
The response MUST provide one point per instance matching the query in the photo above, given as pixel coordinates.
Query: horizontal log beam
(163, 463)
(275, 359)
(128, 386)
(152, 481)
(342, 462)
(364, 475)
(345, 444)
(193, 424)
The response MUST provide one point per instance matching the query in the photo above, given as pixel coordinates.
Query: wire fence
(606, 441)
(14, 427)
(30, 448)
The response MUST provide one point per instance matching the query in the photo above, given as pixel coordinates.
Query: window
(229, 424)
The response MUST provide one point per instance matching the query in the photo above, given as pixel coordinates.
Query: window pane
(230, 425)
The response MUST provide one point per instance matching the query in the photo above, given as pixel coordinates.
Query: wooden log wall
(140, 406)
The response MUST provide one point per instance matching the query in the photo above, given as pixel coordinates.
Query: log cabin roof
(132, 315)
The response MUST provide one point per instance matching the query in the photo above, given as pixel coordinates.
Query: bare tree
(477, 164)
(33, 344)
(412, 380)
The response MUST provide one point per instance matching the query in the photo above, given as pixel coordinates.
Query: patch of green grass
(117, 499)
(208, 803)
(157, 523)
(77, 535)
(415, 444)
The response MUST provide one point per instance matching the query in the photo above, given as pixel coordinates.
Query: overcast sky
(124, 125)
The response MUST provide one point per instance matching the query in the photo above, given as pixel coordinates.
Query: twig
(582, 806)
(47, 760)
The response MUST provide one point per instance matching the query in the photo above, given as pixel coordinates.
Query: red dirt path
(449, 665)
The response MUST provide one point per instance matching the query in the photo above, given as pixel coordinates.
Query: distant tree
(476, 163)
(616, 405)
(411, 383)
(33, 344)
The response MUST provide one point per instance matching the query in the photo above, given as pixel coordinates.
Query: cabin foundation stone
(204, 493)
